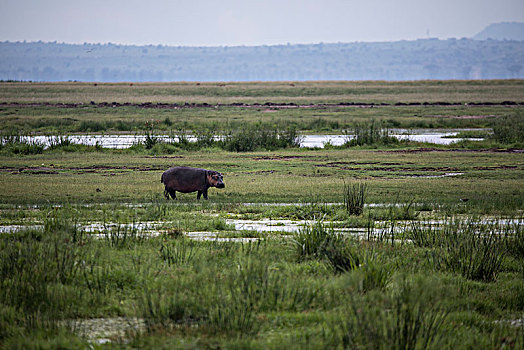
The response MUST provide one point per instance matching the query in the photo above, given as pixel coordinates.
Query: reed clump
(369, 134)
(355, 198)
(405, 319)
(471, 247)
(19, 145)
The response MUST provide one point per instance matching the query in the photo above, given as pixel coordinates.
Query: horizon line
(243, 45)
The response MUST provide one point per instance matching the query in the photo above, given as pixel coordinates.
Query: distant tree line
(402, 60)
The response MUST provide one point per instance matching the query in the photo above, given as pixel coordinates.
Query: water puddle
(517, 323)
(279, 227)
(214, 237)
(142, 227)
(267, 225)
(442, 137)
(287, 226)
(19, 228)
(439, 137)
(105, 330)
(435, 176)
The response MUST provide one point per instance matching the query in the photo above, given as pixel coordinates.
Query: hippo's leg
(171, 193)
(199, 193)
(205, 194)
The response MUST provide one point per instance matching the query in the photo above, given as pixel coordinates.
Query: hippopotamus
(185, 179)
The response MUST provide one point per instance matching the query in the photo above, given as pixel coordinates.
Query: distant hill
(502, 31)
(402, 60)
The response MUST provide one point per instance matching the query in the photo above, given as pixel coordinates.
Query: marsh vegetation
(368, 245)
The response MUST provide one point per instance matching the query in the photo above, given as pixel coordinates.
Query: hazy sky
(248, 22)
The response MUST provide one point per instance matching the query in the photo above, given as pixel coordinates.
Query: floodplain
(376, 242)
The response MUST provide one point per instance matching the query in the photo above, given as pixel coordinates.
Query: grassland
(262, 92)
(440, 263)
(280, 176)
(327, 106)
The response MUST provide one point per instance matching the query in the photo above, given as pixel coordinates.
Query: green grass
(40, 106)
(400, 284)
(261, 92)
(256, 293)
(491, 182)
(50, 119)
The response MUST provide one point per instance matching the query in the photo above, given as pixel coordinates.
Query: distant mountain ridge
(502, 31)
(402, 60)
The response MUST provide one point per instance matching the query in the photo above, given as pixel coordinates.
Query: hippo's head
(214, 178)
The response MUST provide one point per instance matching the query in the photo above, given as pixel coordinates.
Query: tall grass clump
(373, 273)
(245, 139)
(223, 300)
(315, 241)
(473, 248)
(121, 236)
(165, 305)
(510, 129)
(178, 252)
(20, 145)
(515, 239)
(205, 138)
(256, 137)
(369, 134)
(354, 198)
(254, 286)
(238, 299)
(59, 141)
(341, 254)
(38, 270)
(181, 139)
(310, 240)
(151, 140)
(403, 320)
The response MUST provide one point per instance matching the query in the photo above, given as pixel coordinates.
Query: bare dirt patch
(268, 106)
(391, 169)
(52, 170)
(429, 149)
(164, 157)
(465, 116)
(307, 158)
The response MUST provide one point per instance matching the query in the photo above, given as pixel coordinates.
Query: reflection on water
(308, 141)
